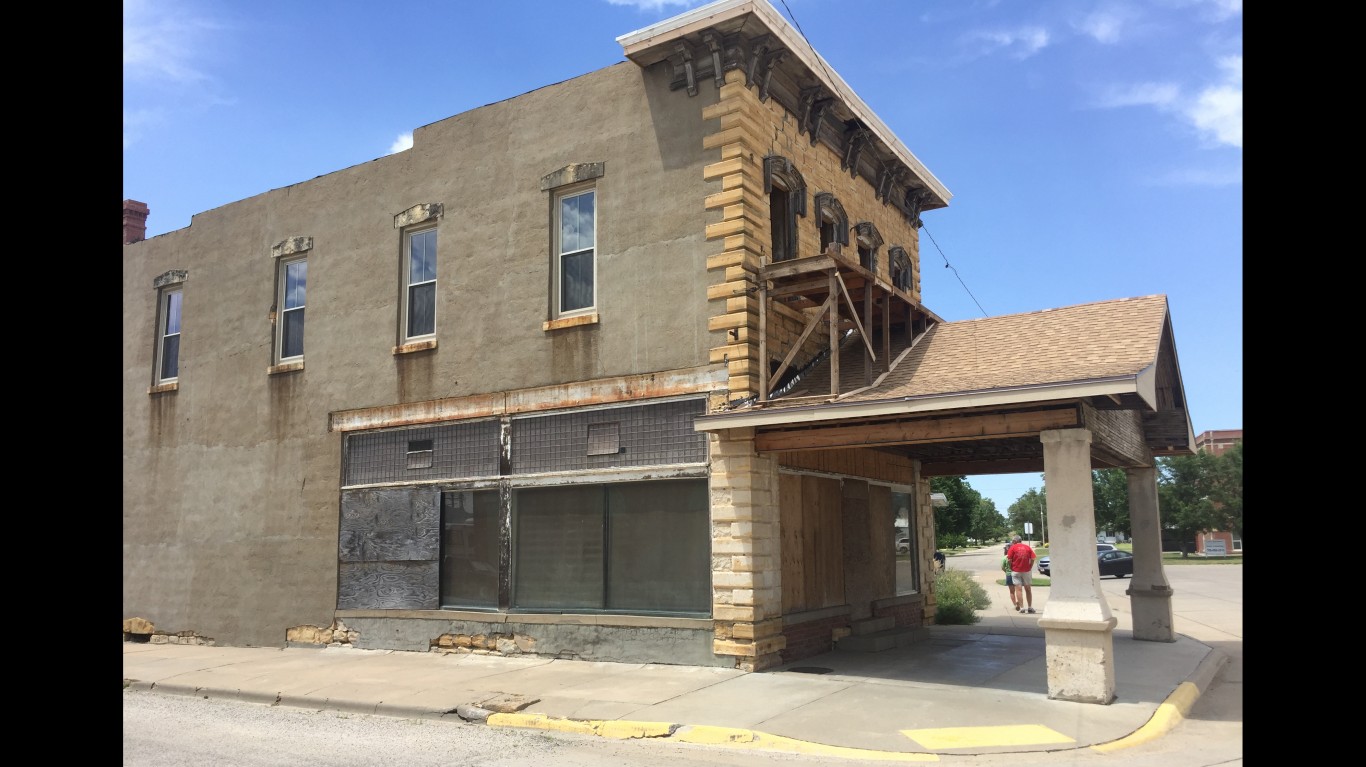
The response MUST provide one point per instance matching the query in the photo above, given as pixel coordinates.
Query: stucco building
(660, 391)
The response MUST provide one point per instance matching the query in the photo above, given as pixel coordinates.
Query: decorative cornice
(727, 24)
(758, 48)
(684, 52)
(815, 100)
(855, 139)
(713, 41)
(766, 68)
(892, 176)
(915, 203)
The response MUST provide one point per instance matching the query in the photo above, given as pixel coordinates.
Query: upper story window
(168, 367)
(291, 284)
(573, 202)
(419, 275)
(833, 222)
(170, 295)
(786, 190)
(575, 246)
(899, 266)
(868, 243)
(417, 314)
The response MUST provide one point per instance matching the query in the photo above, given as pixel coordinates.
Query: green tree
(1201, 492)
(954, 518)
(1110, 495)
(1226, 488)
(1183, 497)
(1029, 507)
(987, 523)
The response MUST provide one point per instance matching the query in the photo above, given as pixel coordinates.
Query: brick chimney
(134, 221)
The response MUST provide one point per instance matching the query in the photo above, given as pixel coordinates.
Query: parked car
(903, 544)
(1042, 564)
(1117, 563)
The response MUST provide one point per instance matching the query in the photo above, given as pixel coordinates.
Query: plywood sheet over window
(813, 542)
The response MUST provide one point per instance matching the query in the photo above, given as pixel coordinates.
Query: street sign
(1029, 528)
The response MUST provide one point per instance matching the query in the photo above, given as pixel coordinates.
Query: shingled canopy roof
(971, 396)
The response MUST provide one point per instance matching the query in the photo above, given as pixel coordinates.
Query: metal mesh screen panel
(457, 450)
(649, 434)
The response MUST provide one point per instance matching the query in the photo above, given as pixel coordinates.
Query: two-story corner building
(662, 390)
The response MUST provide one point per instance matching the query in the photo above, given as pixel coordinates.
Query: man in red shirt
(1022, 558)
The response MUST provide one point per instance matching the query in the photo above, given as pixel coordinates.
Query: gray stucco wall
(230, 493)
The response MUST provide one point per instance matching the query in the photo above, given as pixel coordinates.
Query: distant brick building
(1216, 441)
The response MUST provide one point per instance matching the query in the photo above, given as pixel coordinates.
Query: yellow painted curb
(992, 736)
(1168, 715)
(749, 739)
(606, 729)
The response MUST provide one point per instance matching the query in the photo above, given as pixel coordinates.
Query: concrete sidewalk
(979, 689)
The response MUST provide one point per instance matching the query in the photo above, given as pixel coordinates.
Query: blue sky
(1093, 147)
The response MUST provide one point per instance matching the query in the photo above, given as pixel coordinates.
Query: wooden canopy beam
(929, 430)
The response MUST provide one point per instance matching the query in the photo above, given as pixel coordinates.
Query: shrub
(958, 597)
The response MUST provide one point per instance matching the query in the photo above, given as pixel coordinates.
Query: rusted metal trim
(668, 383)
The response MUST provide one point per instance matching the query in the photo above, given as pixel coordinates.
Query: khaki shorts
(1025, 578)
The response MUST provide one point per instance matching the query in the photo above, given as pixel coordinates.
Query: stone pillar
(1150, 596)
(747, 604)
(1078, 626)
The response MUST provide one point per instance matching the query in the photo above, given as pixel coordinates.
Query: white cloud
(1209, 10)
(1020, 43)
(160, 44)
(1220, 10)
(1217, 111)
(655, 5)
(1104, 25)
(133, 122)
(1141, 94)
(404, 141)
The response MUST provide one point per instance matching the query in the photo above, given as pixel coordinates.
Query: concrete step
(872, 625)
(881, 640)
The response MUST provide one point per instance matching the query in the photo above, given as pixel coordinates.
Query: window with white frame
(289, 325)
(168, 335)
(575, 246)
(166, 354)
(419, 274)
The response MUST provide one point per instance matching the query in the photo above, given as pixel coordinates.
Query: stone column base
(1081, 659)
(1152, 608)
